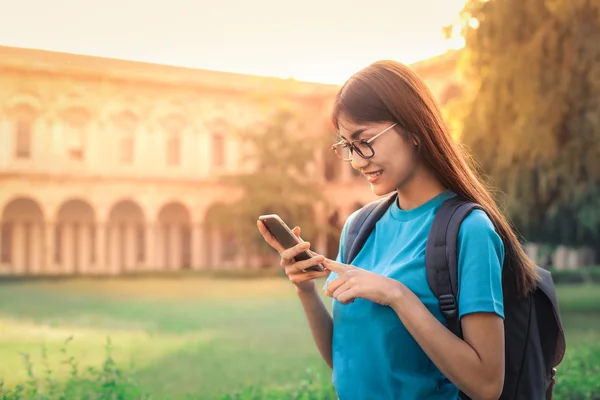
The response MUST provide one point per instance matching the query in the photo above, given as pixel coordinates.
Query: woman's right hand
(294, 270)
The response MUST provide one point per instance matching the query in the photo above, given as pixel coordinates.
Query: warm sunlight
(314, 40)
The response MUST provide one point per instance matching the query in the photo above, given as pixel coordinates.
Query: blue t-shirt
(374, 356)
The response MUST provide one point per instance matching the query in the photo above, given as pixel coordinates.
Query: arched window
(75, 124)
(126, 124)
(218, 149)
(23, 118)
(173, 126)
(173, 147)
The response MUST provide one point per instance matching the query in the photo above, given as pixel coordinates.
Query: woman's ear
(415, 141)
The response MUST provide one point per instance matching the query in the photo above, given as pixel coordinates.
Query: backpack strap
(362, 225)
(441, 257)
(441, 260)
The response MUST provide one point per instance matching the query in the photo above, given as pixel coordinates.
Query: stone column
(68, 263)
(216, 244)
(83, 255)
(114, 250)
(160, 247)
(37, 247)
(175, 247)
(49, 240)
(18, 248)
(150, 246)
(130, 243)
(101, 264)
(197, 243)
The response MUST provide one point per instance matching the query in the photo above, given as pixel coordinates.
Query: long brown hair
(390, 91)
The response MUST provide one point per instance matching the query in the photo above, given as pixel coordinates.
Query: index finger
(269, 238)
(336, 267)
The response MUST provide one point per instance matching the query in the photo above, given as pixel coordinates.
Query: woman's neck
(419, 190)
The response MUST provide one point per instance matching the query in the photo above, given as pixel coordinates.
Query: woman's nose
(358, 162)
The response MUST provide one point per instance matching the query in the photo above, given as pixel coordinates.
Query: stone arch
(174, 237)
(127, 104)
(23, 99)
(22, 235)
(75, 97)
(169, 107)
(126, 236)
(75, 236)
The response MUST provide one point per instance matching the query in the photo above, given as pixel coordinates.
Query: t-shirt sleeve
(342, 247)
(480, 259)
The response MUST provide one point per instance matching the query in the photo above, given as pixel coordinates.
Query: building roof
(25, 59)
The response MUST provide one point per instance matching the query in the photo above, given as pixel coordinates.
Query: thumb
(336, 267)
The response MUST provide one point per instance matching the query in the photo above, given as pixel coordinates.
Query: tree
(533, 111)
(280, 179)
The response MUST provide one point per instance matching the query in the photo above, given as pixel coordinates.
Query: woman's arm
(319, 321)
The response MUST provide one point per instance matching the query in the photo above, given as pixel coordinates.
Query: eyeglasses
(362, 147)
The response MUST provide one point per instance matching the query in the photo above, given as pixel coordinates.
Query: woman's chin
(380, 189)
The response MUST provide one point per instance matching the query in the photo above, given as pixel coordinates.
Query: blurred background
(140, 141)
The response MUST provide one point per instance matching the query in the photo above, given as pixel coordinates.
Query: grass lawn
(195, 335)
(184, 335)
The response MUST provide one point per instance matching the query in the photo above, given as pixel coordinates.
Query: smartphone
(286, 238)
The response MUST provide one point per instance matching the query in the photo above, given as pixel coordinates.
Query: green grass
(210, 337)
(184, 336)
(579, 374)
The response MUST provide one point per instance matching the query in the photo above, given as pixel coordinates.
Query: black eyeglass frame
(353, 148)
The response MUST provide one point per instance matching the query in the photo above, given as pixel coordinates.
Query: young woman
(387, 338)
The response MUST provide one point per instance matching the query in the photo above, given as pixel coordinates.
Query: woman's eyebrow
(357, 133)
(354, 135)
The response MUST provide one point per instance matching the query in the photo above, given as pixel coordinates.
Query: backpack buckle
(448, 306)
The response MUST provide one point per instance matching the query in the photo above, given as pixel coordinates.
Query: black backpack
(534, 337)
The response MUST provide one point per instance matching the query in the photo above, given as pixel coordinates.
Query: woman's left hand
(354, 282)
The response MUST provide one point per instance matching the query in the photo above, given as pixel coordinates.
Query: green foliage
(107, 382)
(115, 383)
(281, 181)
(533, 111)
(580, 275)
(578, 378)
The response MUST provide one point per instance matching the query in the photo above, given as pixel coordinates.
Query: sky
(313, 40)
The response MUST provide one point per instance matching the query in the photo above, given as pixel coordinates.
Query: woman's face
(395, 160)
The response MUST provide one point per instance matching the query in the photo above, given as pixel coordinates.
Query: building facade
(110, 166)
